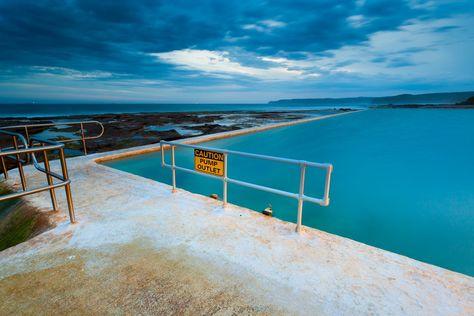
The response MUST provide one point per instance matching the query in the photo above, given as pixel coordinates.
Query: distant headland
(448, 99)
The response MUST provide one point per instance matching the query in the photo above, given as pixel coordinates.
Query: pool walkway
(139, 249)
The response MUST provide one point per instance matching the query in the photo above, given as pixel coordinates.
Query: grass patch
(19, 221)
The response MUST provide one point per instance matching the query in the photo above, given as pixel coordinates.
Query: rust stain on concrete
(131, 280)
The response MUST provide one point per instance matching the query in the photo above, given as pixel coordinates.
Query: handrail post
(67, 187)
(327, 185)
(300, 197)
(162, 149)
(50, 181)
(173, 168)
(224, 182)
(4, 167)
(20, 165)
(27, 141)
(83, 139)
(27, 135)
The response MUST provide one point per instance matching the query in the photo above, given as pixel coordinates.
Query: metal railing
(46, 146)
(84, 138)
(300, 196)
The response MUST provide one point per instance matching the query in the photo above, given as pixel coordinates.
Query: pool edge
(134, 151)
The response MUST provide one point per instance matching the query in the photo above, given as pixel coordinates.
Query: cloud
(273, 23)
(414, 51)
(70, 73)
(219, 62)
(116, 36)
(357, 21)
(255, 27)
(264, 26)
(242, 41)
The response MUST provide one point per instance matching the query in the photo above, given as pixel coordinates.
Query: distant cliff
(428, 98)
(469, 101)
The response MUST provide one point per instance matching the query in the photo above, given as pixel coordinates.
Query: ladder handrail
(31, 150)
(15, 153)
(83, 137)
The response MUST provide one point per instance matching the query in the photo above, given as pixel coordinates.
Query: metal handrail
(83, 137)
(15, 153)
(300, 196)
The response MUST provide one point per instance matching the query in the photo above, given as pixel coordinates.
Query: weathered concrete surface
(138, 248)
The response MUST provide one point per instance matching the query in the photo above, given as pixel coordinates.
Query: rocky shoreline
(130, 130)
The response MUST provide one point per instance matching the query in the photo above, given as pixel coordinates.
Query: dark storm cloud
(398, 62)
(117, 35)
(91, 35)
(115, 44)
(446, 28)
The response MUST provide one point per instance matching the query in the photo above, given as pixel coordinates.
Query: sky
(231, 51)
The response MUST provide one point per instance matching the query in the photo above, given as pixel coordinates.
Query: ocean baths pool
(403, 180)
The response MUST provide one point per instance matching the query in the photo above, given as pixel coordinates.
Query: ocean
(51, 110)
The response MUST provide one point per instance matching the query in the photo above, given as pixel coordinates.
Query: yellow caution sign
(210, 162)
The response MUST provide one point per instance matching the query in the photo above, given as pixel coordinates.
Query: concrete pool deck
(138, 248)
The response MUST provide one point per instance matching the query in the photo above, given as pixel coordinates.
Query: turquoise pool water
(403, 180)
